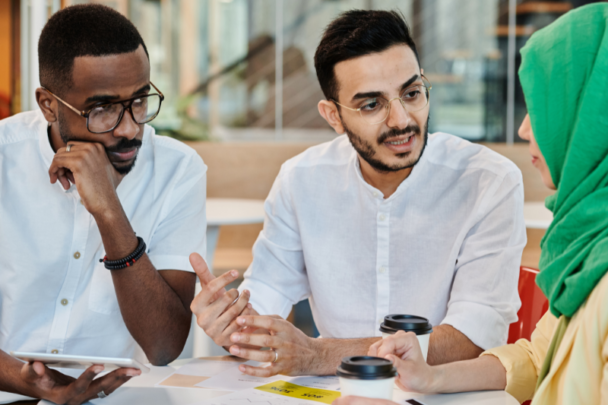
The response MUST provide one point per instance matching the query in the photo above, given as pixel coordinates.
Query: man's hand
(294, 352)
(213, 306)
(404, 351)
(88, 167)
(51, 385)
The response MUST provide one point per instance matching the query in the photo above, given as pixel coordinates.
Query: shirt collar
(412, 178)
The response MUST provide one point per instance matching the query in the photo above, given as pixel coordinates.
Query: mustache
(125, 144)
(396, 132)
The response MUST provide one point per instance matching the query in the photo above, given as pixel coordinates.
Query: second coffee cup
(408, 323)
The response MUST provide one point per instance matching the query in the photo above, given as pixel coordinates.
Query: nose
(398, 117)
(525, 128)
(127, 128)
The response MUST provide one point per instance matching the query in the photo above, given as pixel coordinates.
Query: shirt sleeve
(277, 276)
(182, 229)
(484, 298)
(524, 359)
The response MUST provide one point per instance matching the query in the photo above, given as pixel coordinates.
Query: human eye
(371, 104)
(411, 93)
(103, 109)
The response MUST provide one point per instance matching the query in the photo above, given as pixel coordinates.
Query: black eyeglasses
(105, 117)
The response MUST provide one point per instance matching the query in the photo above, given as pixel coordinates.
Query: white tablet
(81, 362)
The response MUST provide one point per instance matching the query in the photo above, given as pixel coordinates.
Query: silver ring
(101, 394)
(276, 356)
(67, 149)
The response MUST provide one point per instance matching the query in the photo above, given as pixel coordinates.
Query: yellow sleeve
(523, 359)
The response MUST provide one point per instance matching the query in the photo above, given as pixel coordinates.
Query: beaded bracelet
(127, 261)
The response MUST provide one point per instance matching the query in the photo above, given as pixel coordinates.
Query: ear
(47, 104)
(329, 111)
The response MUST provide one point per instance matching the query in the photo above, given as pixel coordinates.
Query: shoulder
(459, 154)
(338, 152)
(21, 127)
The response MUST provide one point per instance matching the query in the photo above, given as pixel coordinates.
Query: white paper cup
(382, 389)
(409, 323)
(366, 376)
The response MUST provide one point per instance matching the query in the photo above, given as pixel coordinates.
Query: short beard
(367, 151)
(124, 143)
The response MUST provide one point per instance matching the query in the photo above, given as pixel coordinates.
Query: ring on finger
(276, 356)
(101, 394)
(67, 149)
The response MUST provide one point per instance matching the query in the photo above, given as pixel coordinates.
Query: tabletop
(142, 390)
(537, 216)
(234, 211)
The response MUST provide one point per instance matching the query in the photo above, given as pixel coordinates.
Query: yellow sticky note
(297, 391)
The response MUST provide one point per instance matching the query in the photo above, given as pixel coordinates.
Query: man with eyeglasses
(98, 215)
(385, 219)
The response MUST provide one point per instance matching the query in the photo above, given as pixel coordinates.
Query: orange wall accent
(5, 57)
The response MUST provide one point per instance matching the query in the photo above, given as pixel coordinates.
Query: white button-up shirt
(55, 295)
(446, 245)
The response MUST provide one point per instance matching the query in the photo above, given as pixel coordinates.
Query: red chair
(534, 304)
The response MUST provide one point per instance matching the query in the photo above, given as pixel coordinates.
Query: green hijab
(564, 75)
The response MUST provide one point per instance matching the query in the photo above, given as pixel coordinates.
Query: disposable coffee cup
(408, 323)
(366, 376)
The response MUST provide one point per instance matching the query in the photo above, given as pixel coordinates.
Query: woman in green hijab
(564, 75)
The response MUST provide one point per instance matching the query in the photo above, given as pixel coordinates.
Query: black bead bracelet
(127, 261)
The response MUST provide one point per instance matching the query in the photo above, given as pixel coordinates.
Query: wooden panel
(5, 58)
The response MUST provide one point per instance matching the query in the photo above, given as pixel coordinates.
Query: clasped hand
(87, 166)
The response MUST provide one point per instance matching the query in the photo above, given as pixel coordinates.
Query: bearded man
(384, 219)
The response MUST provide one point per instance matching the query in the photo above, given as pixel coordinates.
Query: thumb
(200, 268)
(32, 371)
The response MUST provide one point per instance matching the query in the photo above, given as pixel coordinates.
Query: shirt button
(77, 255)
(375, 194)
(381, 217)
(381, 269)
(64, 302)
(81, 203)
(55, 351)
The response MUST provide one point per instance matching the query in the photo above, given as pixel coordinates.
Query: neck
(386, 182)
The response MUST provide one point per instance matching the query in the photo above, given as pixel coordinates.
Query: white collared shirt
(55, 295)
(446, 245)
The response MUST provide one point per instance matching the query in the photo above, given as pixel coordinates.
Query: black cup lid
(407, 323)
(366, 368)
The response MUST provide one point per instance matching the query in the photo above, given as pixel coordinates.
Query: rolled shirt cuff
(266, 300)
(521, 373)
(171, 263)
(485, 327)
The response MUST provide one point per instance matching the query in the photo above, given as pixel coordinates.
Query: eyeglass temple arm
(66, 104)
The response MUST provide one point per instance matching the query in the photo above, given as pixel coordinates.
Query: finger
(276, 324)
(63, 178)
(260, 340)
(213, 290)
(200, 268)
(259, 371)
(32, 371)
(207, 316)
(264, 356)
(373, 349)
(226, 323)
(82, 383)
(70, 176)
(112, 381)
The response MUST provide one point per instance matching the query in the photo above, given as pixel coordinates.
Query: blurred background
(240, 85)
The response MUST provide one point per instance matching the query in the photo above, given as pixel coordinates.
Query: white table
(537, 216)
(141, 390)
(220, 211)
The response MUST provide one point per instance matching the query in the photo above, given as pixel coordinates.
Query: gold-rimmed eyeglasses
(375, 110)
(105, 117)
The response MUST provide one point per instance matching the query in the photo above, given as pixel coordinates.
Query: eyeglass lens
(105, 117)
(376, 109)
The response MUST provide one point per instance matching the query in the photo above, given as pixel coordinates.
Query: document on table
(234, 380)
(198, 370)
(247, 397)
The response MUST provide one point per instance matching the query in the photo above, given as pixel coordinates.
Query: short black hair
(82, 30)
(357, 33)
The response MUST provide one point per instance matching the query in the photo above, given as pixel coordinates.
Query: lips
(124, 155)
(400, 144)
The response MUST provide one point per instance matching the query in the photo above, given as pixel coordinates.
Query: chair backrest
(534, 304)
